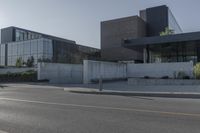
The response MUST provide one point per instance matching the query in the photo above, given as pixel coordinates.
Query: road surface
(30, 109)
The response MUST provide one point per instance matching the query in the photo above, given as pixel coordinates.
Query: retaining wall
(159, 70)
(107, 70)
(147, 82)
(61, 73)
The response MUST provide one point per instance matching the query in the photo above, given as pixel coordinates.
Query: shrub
(197, 71)
(167, 31)
(182, 75)
(165, 77)
(19, 62)
(186, 77)
(28, 76)
(30, 62)
(146, 77)
(175, 75)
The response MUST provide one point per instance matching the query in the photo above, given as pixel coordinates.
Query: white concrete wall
(107, 70)
(61, 73)
(153, 82)
(159, 69)
(15, 70)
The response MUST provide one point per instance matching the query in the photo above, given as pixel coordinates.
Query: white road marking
(103, 107)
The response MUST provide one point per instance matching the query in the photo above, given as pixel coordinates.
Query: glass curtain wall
(173, 23)
(2, 55)
(22, 35)
(174, 53)
(38, 49)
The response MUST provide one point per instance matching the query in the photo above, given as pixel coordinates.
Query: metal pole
(100, 84)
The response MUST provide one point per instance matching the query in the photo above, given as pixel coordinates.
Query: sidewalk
(123, 89)
(115, 88)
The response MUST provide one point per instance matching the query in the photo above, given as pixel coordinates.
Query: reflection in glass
(39, 49)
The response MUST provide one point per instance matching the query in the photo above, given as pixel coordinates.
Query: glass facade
(173, 23)
(2, 55)
(37, 48)
(24, 44)
(23, 35)
(183, 52)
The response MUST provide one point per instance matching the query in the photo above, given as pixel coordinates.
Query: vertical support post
(145, 55)
(198, 54)
(100, 84)
(6, 54)
(100, 78)
(148, 54)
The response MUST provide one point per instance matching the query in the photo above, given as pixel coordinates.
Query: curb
(144, 94)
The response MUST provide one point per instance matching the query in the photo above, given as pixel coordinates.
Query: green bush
(19, 62)
(30, 62)
(181, 75)
(28, 76)
(146, 77)
(197, 71)
(165, 77)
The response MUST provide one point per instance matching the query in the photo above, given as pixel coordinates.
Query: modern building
(157, 19)
(113, 32)
(138, 38)
(20, 43)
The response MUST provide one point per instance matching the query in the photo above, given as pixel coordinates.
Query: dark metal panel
(141, 42)
(157, 20)
(7, 35)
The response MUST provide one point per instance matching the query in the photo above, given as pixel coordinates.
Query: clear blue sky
(79, 20)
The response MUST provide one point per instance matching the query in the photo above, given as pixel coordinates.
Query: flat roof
(176, 38)
(44, 35)
(121, 19)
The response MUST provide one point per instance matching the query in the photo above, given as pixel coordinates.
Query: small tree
(197, 71)
(30, 62)
(19, 62)
(167, 31)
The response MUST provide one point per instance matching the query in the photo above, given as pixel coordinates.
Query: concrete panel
(61, 73)
(107, 70)
(149, 82)
(15, 70)
(159, 69)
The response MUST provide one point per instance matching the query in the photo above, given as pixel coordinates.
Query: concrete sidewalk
(134, 93)
(122, 88)
(115, 88)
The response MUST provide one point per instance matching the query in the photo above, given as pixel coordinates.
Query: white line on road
(104, 107)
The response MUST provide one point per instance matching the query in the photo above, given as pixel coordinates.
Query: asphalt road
(29, 109)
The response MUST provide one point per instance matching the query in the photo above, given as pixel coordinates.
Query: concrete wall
(15, 70)
(159, 69)
(94, 69)
(113, 32)
(147, 82)
(60, 73)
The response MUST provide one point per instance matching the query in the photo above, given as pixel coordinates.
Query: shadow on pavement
(3, 86)
(127, 94)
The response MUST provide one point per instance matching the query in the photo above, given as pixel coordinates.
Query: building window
(39, 49)
(17, 35)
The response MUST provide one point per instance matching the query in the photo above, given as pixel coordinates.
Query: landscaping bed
(28, 76)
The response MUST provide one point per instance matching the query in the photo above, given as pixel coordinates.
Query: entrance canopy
(172, 48)
(169, 39)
